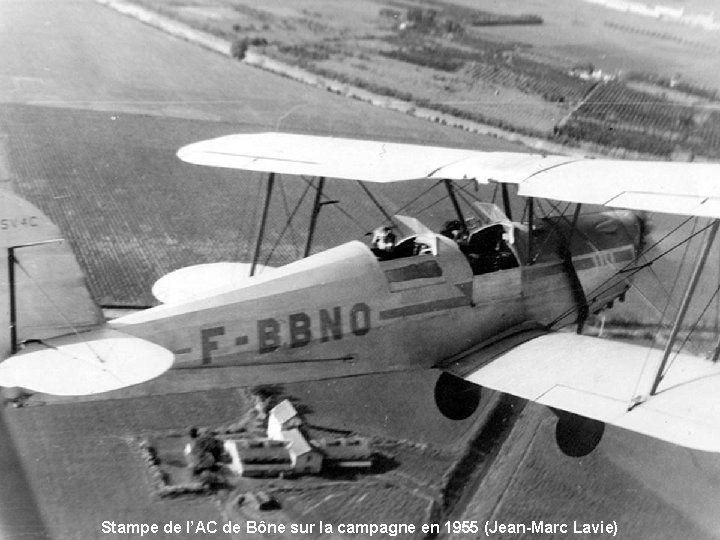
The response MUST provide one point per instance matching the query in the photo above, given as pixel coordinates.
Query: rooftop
(284, 411)
(297, 443)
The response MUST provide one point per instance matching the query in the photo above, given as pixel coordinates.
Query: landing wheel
(456, 398)
(577, 436)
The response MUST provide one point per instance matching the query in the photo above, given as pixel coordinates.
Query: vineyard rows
(552, 85)
(619, 116)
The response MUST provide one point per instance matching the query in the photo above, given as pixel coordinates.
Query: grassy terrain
(134, 212)
(86, 455)
(82, 456)
(606, 485)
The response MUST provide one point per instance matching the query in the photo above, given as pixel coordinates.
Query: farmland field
(82, 456)
(91, 122)
(135, 212)
(100, 463)
(519, 76)
(530, 469)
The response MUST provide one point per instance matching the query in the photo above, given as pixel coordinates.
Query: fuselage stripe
(426, 307)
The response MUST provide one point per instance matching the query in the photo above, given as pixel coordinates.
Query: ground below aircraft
(482, 307)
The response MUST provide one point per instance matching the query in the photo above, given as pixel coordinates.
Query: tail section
(42, 288)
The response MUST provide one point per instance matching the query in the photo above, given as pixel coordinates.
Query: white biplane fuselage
(481, 310)
(345, 312)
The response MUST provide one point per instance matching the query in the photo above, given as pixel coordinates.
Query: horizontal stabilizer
(86, 363)
(601, 379)
(203, 280)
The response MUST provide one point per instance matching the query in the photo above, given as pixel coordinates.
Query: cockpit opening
(488, 249)
(486, 240)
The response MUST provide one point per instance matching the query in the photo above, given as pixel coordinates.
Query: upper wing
(331, 157)
(600, 379)
(657, 186)
(85, 363)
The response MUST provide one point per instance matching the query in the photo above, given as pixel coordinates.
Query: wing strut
(262, 223)
(506, 201)
(716, 352)
(13, 307)
(317, 205)
(573, 225)
(451, 192)
(581, 303)
(377, 203)
(689, 291)
(531, 218)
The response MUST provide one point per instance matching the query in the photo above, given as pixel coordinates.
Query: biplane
(483, 305)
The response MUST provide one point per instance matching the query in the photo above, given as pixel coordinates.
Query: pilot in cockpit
(383, 243)
(455, 230)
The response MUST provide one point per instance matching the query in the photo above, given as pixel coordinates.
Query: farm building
(305, 458)
(346, 452)
(282, 417)
(258, 457)
(288, 451)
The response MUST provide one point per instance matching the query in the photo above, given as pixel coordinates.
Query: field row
(621, 117)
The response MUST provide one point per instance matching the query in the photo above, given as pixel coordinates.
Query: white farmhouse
(282, 418)
(304, 457)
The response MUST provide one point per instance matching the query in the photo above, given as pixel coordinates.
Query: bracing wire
(342, 210)
(374, 200)
(693, 327)
(286, 207)
(60, 312)
(248, 245)
(677, 277)
(288, 222)
(418, 197)
(632, 269)
(429, 206)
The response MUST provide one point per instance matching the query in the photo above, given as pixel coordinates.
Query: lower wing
(602, 379)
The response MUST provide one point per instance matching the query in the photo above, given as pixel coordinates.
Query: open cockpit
(486, 240)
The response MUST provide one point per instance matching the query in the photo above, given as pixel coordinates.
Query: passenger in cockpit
(383, 243)
(455, 230)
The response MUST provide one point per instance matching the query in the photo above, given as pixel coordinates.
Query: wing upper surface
(656, 186)
(600, 379)
(331, 157)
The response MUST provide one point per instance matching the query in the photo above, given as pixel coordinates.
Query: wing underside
(601, 379)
